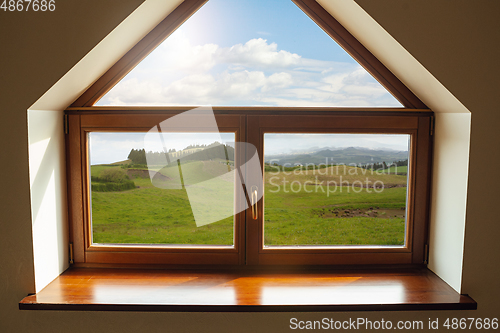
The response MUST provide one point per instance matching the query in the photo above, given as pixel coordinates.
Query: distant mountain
(350, 155)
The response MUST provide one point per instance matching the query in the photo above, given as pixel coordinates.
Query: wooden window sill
(108, 289)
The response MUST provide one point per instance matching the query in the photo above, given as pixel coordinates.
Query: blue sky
(229, 22)
(249, 52)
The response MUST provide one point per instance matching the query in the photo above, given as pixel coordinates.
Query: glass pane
(335, 189)
(172, 188)
(249, 53)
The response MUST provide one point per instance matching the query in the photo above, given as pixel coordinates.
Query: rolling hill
(350, 155)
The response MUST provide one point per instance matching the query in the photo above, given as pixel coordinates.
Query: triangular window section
(249, 53)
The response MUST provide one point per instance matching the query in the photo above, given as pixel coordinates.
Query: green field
(397, 170)
(324, 213)
(152, 215)
(315, 213)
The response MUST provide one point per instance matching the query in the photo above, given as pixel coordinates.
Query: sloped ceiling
(462, 65)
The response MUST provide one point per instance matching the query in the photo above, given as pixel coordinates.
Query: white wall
(449, 196)
(46, 138)
(47, 167)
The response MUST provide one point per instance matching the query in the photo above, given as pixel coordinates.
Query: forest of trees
(214, 150)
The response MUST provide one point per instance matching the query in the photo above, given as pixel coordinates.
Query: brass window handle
(255, 214)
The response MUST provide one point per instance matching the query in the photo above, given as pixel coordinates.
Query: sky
(285, 143)
(106, 147)
(110, 147)
(249, 52)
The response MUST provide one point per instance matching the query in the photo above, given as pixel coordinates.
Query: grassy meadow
(153, 215)
(302, 207)
(312, 208)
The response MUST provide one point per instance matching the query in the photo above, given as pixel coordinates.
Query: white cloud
(177, 54)
(200, 89)
(254, 73)
(359, 83)
(257, 53)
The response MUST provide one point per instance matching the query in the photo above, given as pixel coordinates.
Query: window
(322, 203)
(347, 202)
(273, 55)
(338, 196)
(152, 191)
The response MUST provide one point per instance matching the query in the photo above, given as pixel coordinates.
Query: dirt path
(369, 212)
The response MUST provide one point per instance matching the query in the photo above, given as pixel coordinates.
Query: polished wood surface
(246, 290)
(264, 110)
(74, 187)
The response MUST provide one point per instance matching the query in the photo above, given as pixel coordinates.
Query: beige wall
(457, 41)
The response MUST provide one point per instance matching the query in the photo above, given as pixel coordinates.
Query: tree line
(215, 150)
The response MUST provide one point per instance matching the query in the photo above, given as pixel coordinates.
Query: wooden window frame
(249, 124)
(310, 7)
(418, 126)
(420, 288)
(84, 107)
(84, 251)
